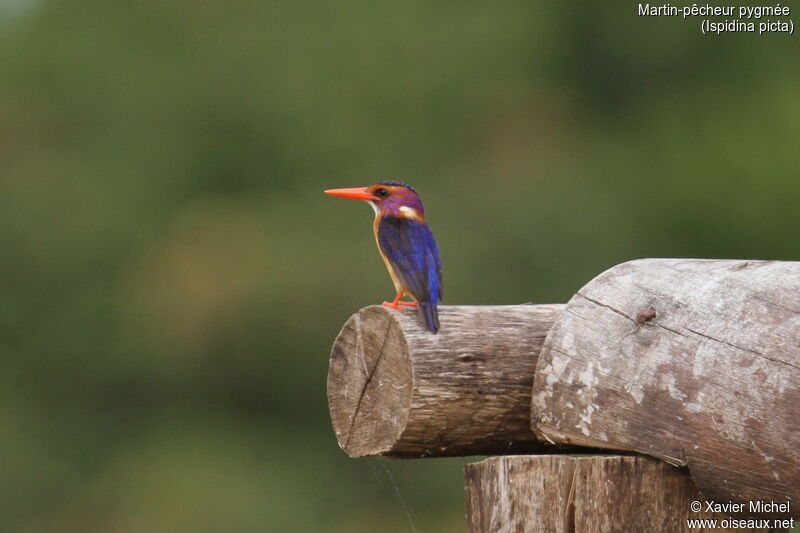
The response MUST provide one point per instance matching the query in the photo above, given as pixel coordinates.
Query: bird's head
(387, 198)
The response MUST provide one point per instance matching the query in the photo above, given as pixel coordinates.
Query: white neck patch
(410, 212)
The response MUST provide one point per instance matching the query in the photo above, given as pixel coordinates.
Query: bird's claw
(397, 304)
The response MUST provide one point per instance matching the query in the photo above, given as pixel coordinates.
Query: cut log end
(369, 382)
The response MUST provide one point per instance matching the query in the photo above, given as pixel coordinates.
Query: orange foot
(396, 303)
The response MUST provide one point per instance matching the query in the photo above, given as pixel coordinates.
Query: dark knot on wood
(646, 316)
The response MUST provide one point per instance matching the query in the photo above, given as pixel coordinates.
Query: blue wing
(413, 253)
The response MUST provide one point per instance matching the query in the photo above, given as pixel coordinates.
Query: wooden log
(696, 362)
(396, 389)
(571, 494)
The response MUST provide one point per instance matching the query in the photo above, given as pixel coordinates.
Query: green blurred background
(173, 276)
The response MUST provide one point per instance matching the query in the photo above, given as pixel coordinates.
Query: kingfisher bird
(406, 245)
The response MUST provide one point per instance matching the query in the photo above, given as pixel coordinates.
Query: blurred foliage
(172, 276)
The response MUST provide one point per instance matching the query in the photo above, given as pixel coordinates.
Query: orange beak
(357, 193)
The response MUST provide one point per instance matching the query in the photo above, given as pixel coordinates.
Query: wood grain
(572, 494)
(709, 379)
(396, 389)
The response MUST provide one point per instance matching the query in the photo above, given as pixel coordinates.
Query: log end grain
(369, 382)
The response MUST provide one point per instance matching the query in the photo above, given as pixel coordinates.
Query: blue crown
(399, 184)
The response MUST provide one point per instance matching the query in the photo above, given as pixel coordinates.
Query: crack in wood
(732, 345)
(367, 382)
(610, 308)
(569, 508)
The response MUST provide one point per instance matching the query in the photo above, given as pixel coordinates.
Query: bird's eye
(381, 193)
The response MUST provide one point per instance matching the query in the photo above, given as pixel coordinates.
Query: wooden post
(397, 389)
(571, 494)
(696, 362)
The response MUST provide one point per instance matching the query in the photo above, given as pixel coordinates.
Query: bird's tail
(429, 314)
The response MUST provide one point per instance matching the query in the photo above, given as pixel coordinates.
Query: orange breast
(398, 284)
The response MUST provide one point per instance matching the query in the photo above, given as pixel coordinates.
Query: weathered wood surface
(396, 389)
(709, 379)
(573, 494)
